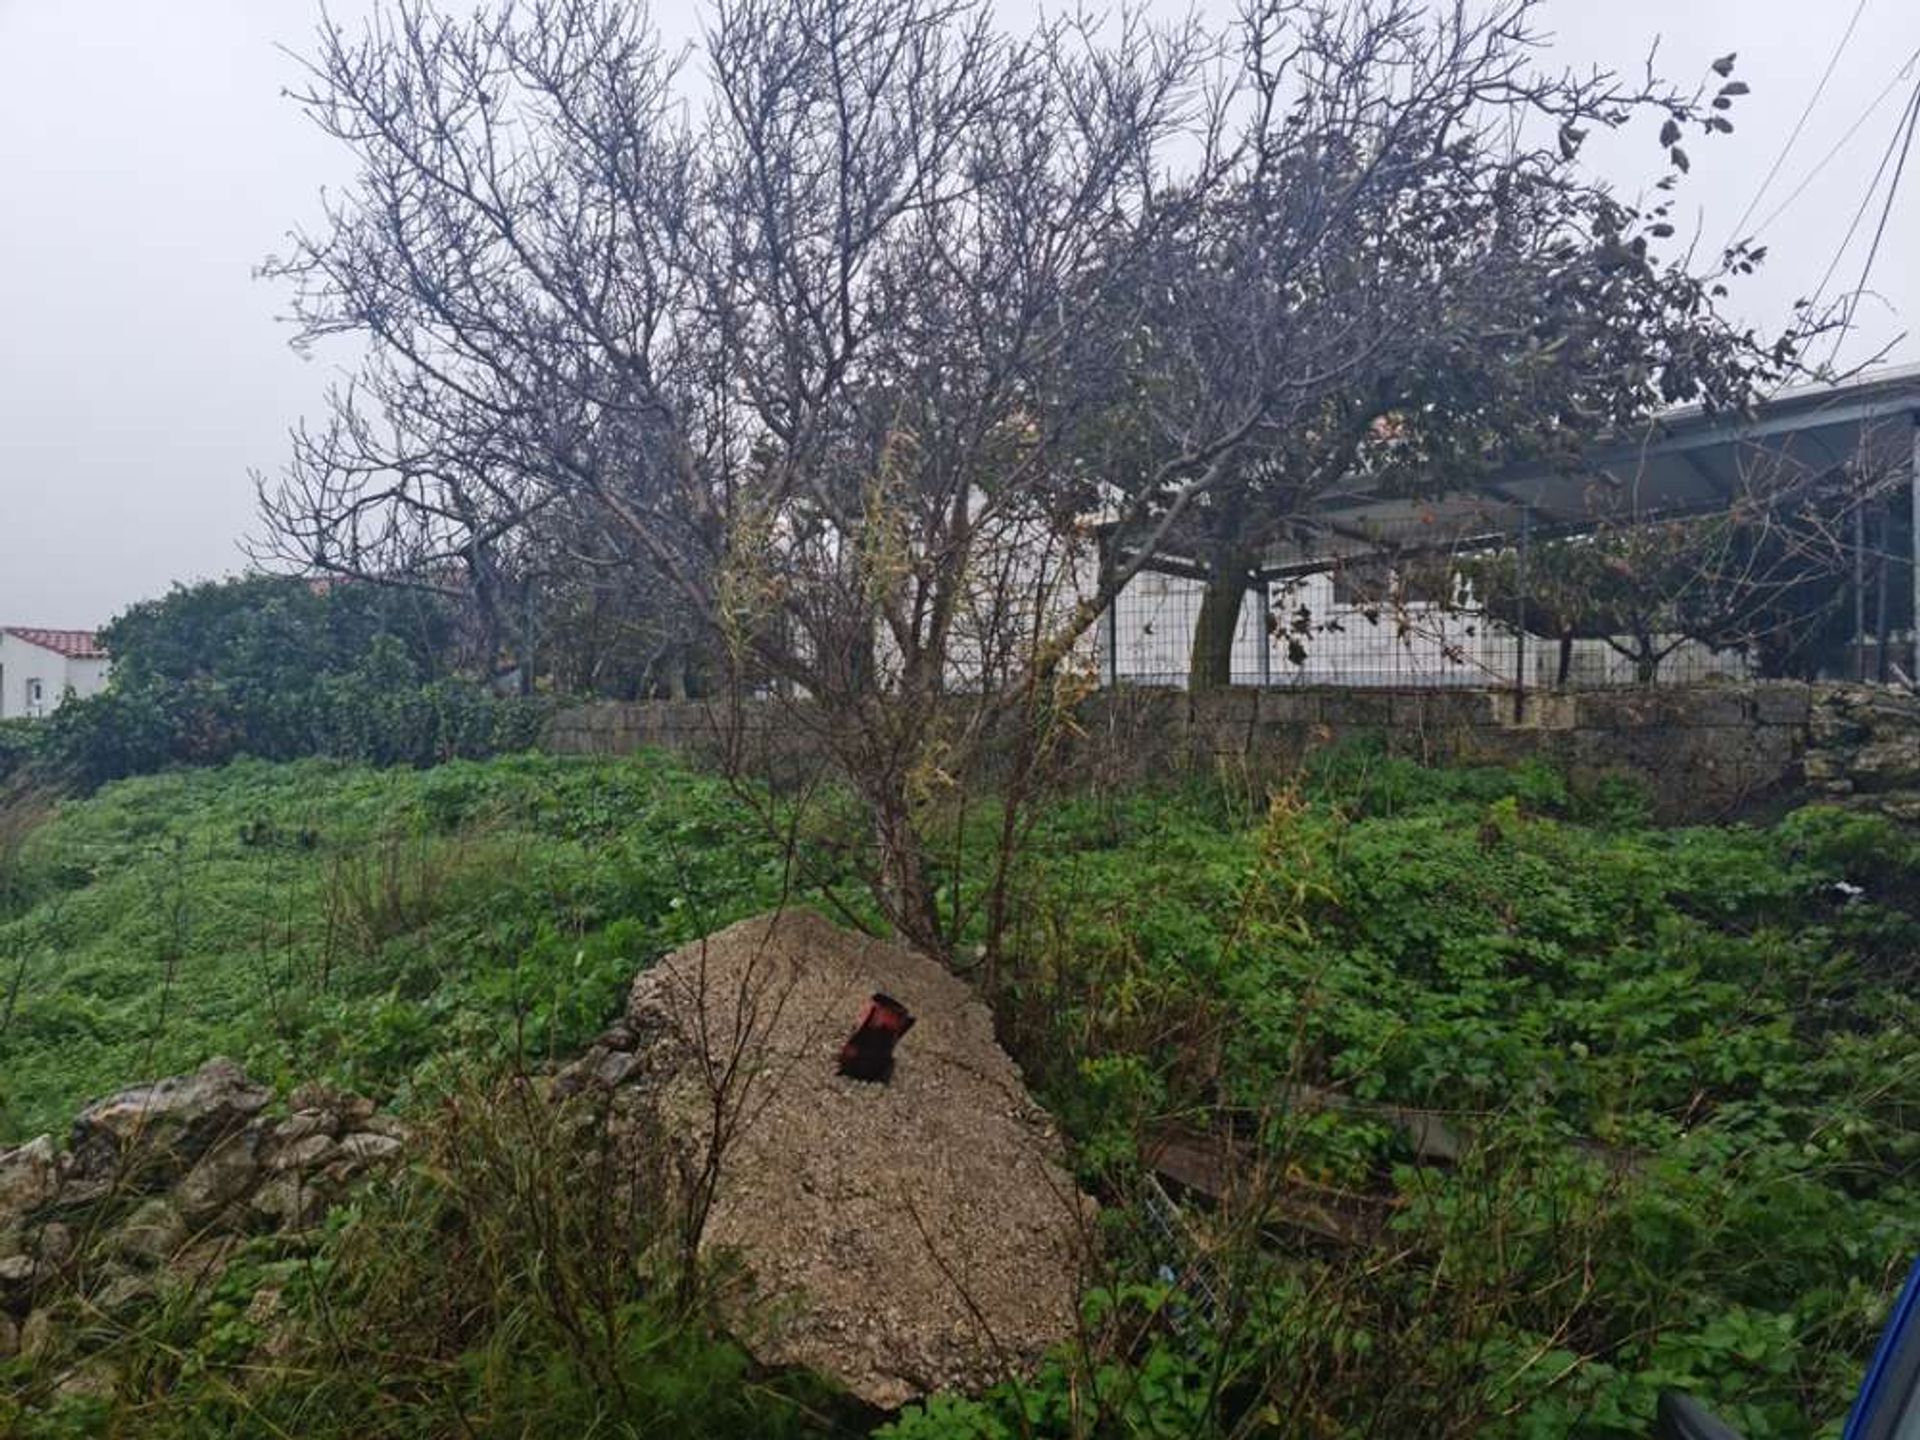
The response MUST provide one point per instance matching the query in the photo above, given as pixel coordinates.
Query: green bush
(18, 746)
(278, 669)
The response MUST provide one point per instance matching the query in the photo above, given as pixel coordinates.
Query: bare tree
(1403, 277)
(843, 355)
(792, 350)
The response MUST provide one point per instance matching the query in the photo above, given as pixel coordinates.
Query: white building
(40, 668)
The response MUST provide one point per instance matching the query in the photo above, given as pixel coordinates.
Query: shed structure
(1686, 462)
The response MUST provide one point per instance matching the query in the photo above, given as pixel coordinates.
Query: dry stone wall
(1864, 750)
(1704, 752)
(155, 1190)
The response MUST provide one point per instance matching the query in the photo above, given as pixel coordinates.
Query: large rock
(152, 1233)
(29, 1179)
(901, 1237)
(226, 1173)
(152, 1133)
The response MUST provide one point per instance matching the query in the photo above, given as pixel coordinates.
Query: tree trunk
(1210, 666)
(1646, 662)
(1566, 659)
(901, 881)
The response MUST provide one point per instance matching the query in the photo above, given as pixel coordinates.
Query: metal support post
(1859, 592)
(1520, 617)
(1110, 620)
(1265, 591)
(1913, 475)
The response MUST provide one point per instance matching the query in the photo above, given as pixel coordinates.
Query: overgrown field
(1678, 1073)
(357, 925)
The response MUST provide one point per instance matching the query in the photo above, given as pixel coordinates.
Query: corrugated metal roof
(1685, 461)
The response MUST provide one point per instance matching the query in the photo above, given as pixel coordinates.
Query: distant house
(40, 668)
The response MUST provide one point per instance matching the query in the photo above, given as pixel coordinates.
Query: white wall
(22, 663)
(87, 677)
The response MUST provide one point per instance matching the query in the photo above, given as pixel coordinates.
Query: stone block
(221, 1176)
(1782, 704)
(1235, 705)
(1360, 709)
(29, 1178)
(1539, 710)
(1289, 707)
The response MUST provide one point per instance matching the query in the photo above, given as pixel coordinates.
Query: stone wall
(1863, 750)
(155, 1190)
(760, 738)
(1704, 751)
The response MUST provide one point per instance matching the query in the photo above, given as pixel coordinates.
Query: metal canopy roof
(1685, 462)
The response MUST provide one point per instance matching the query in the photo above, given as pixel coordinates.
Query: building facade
(40, 668)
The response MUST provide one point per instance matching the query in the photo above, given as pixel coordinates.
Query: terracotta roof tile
(74, 644)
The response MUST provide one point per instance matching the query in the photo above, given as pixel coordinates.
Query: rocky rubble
(156, 1187)
(1863, 750)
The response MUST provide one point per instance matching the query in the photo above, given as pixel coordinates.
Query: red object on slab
(868, 1053)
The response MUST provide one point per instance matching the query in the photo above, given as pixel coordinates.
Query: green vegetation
(278, 668)
(1685, 1068)
(327, 921)
(1679, 1070)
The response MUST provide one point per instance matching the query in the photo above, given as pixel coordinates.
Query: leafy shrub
(19, 744)
(1685, 1064)
(278, 669)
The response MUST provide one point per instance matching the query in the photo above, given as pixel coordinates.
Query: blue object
(1888, 1406)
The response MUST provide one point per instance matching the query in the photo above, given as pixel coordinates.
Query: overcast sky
(148, 163)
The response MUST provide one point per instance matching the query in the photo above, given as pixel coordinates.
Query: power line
(1833, 60)
(1901, 128)
(1880, 230)
(1900, 75)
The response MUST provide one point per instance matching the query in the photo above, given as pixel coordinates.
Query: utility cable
(1899, 78)
(1880, 230)
(1902, 128)
(1818, 90)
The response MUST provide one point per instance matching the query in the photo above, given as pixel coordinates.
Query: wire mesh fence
(1327, 629)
